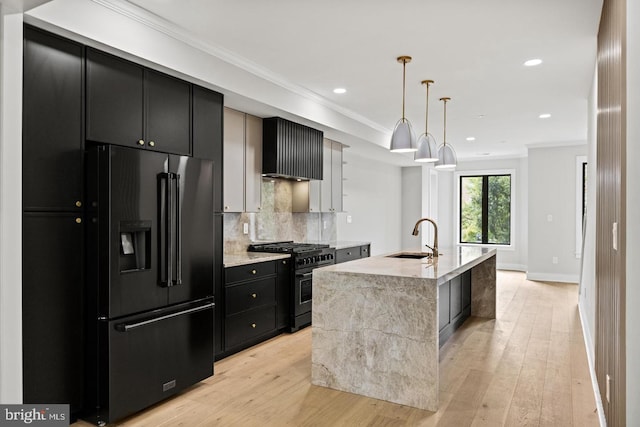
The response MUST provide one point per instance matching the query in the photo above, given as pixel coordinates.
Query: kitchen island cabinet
(376, 327)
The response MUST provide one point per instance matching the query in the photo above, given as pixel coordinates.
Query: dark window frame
(485, 209)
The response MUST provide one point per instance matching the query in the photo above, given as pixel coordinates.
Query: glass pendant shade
(403, 139)
(447, 158)
(427, 149)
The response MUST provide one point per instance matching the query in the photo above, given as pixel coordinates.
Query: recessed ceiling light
(339, 90)
(532, 62)
(471, 138)
(544, 116)
(480, 116)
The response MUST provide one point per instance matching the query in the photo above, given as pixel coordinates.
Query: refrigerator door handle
(164, 182)
(168, 229)
(178, 231)
(126, 327)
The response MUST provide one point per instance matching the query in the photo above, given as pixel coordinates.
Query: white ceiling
(473, 49)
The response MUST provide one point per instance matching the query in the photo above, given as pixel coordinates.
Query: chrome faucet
(435, 234)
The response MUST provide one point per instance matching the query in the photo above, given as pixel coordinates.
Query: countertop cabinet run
(351, 253)
(250, 304)
(130, 105)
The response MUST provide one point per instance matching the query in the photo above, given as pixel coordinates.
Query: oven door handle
(304, 275)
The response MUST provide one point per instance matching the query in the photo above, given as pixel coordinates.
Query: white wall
(552, 191)
(10, 206)
(372, 198)
(633, 207)
(587, 298)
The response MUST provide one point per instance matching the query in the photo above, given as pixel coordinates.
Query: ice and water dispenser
(135, 246)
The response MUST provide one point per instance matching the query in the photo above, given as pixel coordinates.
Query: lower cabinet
(454, 304)
(255, 303)
(351, 253)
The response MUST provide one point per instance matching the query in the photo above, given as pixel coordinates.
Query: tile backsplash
(275, 221)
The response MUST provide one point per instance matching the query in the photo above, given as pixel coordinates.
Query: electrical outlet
(554, 260)
(245, 228)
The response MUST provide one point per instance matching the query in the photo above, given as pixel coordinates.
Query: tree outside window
(485, 209)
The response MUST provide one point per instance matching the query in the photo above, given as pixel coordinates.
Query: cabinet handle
(259, 208)
(254, 295)
(253, 325)
(152, 144)
(78, 220)
(253, 272)
(348, 253)
(78, 203)
(226, 207)
(141, 142)
(284, 262)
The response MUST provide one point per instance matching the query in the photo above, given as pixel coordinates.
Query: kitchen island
(376, 322)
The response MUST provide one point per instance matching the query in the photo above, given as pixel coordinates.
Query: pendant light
(403, 140)
(427, 146)
(446, 155)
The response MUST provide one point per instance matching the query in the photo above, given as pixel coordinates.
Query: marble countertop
(450, 263)
(244, 258)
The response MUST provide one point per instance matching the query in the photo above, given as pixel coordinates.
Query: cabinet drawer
(249, 271)
(365, 251)
(347, 254)
(248, 325)
(250, 295)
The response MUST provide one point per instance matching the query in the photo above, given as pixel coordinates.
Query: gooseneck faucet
(435, 234)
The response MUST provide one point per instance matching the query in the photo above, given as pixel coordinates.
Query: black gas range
(305, 257)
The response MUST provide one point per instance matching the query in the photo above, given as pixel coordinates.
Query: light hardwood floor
(526, 368)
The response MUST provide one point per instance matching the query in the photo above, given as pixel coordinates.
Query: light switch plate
(245, 228)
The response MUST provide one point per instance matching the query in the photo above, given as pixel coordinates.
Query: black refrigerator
(150, 278)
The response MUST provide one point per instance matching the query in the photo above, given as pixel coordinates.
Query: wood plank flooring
(528, 367)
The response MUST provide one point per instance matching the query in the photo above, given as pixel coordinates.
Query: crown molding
(157, 23)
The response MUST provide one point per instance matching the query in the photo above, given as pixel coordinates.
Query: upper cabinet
(325, 195)
(207, 135)
(130, 105)
(242, 162)
(331, 186)
(52, 123)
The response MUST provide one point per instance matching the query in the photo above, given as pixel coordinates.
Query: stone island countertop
(375, 325)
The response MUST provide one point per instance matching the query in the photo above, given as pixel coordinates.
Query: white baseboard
(511, 267)
(552, 277)
(588, 343)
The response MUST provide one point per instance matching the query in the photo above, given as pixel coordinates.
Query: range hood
(291, 150)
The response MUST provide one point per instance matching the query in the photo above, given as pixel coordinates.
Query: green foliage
(498, 212)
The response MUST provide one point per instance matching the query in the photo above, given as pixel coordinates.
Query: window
(485, 209)
(581, 200)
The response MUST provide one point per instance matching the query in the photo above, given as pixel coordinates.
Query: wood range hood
(291, 150)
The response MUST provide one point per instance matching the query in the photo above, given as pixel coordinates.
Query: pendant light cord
(426, 115)
(404, 73)
(445, 119)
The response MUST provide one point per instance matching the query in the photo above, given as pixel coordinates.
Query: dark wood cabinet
(130, 105)
(207, 135)
(52, 228)
(454, 304)
(351, 253)
(52, 309)
(250, 304)
(52, 123)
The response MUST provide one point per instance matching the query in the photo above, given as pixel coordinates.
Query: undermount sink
(412, 255)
